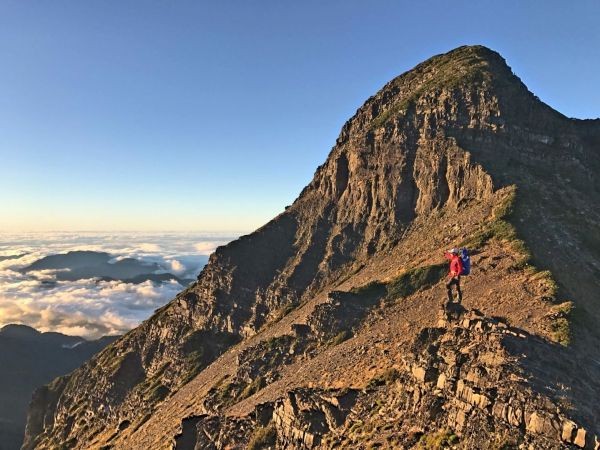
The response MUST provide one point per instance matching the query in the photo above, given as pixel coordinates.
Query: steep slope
(429, 161)
(29, 359)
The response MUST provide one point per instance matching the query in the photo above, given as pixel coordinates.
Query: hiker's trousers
(454, 281)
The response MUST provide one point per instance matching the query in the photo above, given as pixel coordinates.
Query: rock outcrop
(431, 160)
(464, 377)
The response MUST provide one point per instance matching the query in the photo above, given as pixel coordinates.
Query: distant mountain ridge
(84, 264)
(29, 359)
(6, 257)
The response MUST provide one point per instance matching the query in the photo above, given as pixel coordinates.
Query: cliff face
(430, 161)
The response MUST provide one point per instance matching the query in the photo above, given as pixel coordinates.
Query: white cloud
(93, 308)
(149, 247)
(208, 247)
(175, 266)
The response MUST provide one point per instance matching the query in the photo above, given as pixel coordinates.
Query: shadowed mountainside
(29, 359)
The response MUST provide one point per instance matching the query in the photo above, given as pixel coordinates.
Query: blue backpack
(466, 261)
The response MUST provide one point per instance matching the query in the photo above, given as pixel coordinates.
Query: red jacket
(455, 265)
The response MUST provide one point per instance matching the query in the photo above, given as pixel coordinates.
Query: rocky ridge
(463, 376)
(425, 163)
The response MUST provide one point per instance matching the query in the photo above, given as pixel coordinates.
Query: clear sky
(212, 115)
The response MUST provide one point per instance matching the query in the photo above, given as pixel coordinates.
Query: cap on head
(454, 251)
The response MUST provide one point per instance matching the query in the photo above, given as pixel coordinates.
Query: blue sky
(212, 116)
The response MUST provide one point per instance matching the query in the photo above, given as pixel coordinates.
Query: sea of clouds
(93, 308)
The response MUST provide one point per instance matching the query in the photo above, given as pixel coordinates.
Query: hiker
(456, 269)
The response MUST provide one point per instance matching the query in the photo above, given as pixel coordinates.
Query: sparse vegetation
(561, 324)
(201, 347)
(157, 393)
(451, 72)
(274, 350)
(404, 285)
(545, 278)
(252, 388)
(502, 442)
(340, 337)
(385, 378)
(225, 391)
(392, 111)
(283, 311)
(356, 426)
(262, 437)
(443, 438)
(500, 229)
(374, 289)
(415, 279)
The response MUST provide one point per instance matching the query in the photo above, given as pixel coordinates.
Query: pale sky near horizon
(212, 116)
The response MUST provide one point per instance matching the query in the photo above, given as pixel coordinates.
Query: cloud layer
(93, 308)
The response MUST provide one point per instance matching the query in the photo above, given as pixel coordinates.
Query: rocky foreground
(325, 328)
(462, 377)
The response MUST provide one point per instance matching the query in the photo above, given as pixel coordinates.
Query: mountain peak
(467, 83)
(18, 330)
(463, 61)
(479, 51)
